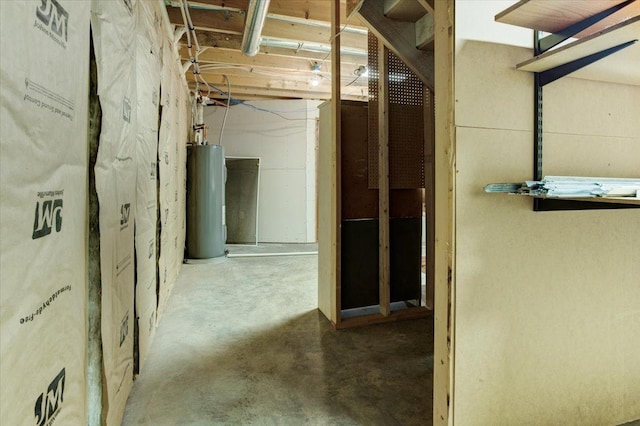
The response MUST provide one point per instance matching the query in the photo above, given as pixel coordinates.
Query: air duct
(256, 14)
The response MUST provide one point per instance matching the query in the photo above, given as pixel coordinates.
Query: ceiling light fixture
(315, 79)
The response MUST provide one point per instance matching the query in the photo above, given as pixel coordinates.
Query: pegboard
(406, 122)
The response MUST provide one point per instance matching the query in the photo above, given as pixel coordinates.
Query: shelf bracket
(560, 71)
(546, 43)
(541, 79)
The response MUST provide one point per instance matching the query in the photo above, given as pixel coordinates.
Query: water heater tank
(206, 230)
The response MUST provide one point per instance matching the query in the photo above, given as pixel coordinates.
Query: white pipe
(256, 14)
(300, 253)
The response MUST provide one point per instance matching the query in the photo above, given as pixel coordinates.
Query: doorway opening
(241, 200)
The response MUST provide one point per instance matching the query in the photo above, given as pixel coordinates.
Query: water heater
(206, 176)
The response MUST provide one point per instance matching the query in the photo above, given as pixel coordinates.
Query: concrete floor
(241, 342)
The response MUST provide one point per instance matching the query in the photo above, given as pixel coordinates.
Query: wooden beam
(284, 30)
(233, 42)
(244, 82)
(314, 10)
(404, 314)
(212, 20)
(428, 6)
(353, 6)
(384, 262)
(233, 23)
(218, 40)
(248, 93)
(271, 62)
(336, 146)
(424, 32)
(444, 155)
(403, 10)
(400, 38)
(227, 4)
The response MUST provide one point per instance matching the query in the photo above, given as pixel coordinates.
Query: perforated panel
(406, 123)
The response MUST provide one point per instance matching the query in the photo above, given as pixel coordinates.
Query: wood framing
(428, 6)
(444, 156)
(312, 10)
(384, 262)
(336, 134)
(220, 21)
(400, 37)
(404, 314)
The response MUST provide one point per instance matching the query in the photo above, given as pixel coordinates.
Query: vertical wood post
(445, 187)
(335, 162)
(383, 179)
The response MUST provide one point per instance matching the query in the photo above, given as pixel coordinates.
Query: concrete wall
(286, 148)
(546, 304)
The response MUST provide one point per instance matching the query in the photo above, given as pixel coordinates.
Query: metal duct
(256, 14)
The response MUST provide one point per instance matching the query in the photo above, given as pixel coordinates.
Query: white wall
(286, 147)
(546, 304)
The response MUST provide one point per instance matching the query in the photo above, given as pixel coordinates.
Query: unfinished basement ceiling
(294, 57)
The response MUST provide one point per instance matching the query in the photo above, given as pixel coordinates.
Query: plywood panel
(580, 107)
(478, 103)
(526, 344)
(579, 155)
(526, 337)
(358, 201)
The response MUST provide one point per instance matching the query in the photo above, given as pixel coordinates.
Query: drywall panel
(278, 132)
(587, 155)
(477, 102)
(541, 297)
(43, 206)
(288, 196)
(584, 107)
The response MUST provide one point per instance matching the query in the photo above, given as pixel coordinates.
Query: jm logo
(54, 16)
(48, 405)
(46, 214)
(125, 209)
(128, 5)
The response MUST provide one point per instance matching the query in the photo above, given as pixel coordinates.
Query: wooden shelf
(621, 67)
(612, 34)
(554, 15)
